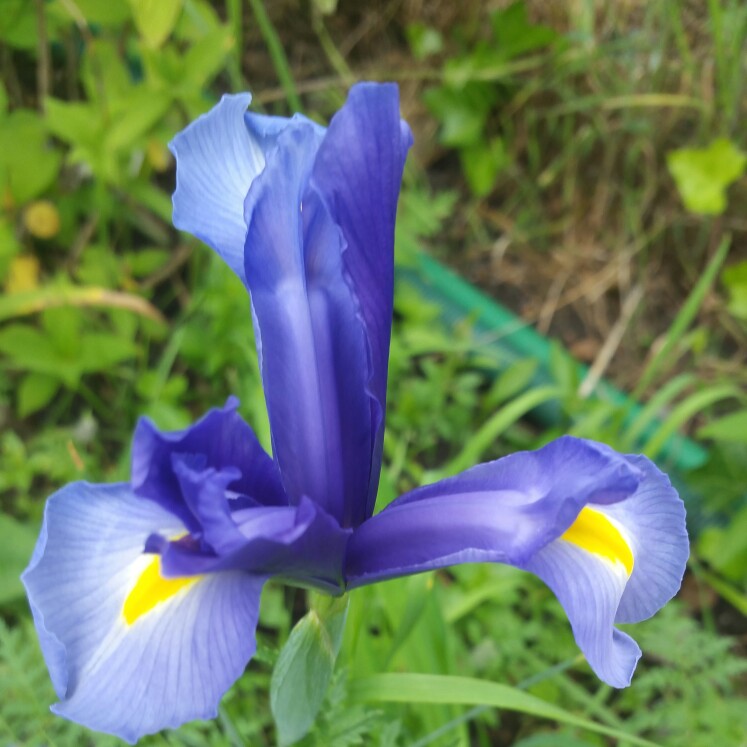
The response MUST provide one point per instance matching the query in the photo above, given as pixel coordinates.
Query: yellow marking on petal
(151, 589)
(594, 532)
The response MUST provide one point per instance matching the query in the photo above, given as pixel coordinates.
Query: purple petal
(265, 129)
(624, 561)
(503, 511)
(222, 440)
(168, 666)
(205, 493)
(301, 544)
(311, 339)
(358, 173)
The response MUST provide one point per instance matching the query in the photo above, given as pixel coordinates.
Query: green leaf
(35, 391)
(152, 197)
(419, 589)
(199, 18)
(554, 739)
(205, 58)
(15, 553)
(462, 112)
(139, 113)
(18, 25)
(74, 122)
(446, 689)
(685, 411)
(703, 174)
(29, 349)
(325, 7)
(482, 163)
(731, 428)
(736, 597)
(735, 280)
(155, 19)
(725, 548)
(145, 261)
(516, 35)
(63, 328)
(511, 381)
(99, 351)
(111, 13)
(424, 40)
(27, 165)
(9, 246)
(304, 668)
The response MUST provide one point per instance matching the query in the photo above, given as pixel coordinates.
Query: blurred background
(572, 258)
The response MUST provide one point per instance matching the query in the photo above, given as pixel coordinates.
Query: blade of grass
(446, 689)
(419, 588)
(683, 319)
(479, 710)
(497, 424)
(337, 61)
(277, 54)
(648, 413)
(736, 597)
(685, 411)
(474, 598)
(593, 423)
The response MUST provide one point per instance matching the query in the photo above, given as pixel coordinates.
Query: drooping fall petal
(130, 652)
(606, 532)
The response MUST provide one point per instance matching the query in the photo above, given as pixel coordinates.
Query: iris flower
(145, 594)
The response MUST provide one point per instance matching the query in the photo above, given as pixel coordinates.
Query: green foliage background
(536, 125)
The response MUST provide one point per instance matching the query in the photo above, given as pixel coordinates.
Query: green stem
(277, 54)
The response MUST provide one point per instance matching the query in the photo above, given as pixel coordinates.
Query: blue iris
(145, 594)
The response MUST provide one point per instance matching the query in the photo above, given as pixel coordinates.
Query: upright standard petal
(311, 337)
(605, 531)
(216, 161)
(129, 651)
(218, 156)
(358, 173)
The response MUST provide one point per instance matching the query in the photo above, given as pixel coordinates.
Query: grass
(555, 197)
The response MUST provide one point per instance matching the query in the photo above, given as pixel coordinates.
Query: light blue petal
(589, 588)
(654, 522)
(216, 161)
(266, 128)
(170, 665)
(597, 593)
